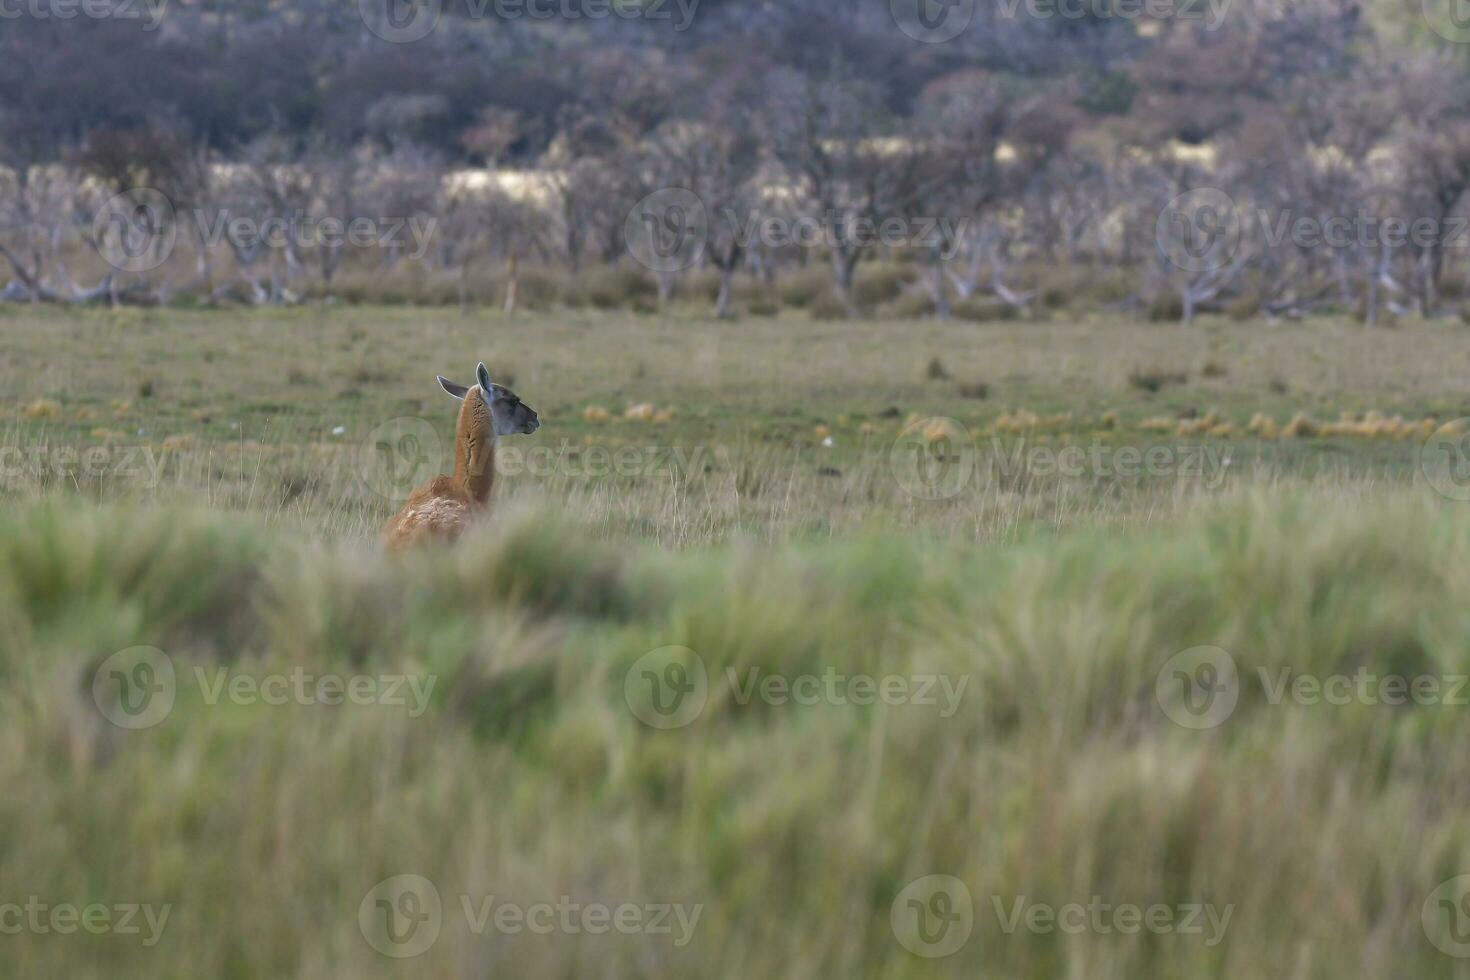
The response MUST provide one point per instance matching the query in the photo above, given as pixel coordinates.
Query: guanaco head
(508, 414)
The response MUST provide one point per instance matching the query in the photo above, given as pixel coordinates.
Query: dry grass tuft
(42, 409)
(1156, 379)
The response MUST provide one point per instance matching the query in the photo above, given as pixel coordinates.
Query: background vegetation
(1054, 140)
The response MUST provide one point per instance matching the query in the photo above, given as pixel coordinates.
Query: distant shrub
(880, 283)
(699, 287)
(827, 307)
(912, 305)
(1156, 379)
(984, 310)
(1244, 306)
(1059, 286)
(539, 289)
(1386, 317)
(1110, 287)
(804, 287)
(1301, 426)
(761, 306)
(1165, 308)
(618, 288)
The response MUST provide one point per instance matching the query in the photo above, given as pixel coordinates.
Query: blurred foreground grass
(1046, 772)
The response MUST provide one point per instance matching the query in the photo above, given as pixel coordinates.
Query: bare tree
(36, 208)
(718, 162)
(333, 204)
(516, 230)
(596, 178)
(852, 165)
(404, 184)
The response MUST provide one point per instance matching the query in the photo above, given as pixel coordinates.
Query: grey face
(509, 415)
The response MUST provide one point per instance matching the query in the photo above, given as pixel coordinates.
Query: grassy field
(298, 415)
(916, 703)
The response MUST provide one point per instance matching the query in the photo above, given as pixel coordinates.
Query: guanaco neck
(474, 447)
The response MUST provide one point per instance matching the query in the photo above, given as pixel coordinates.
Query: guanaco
(446, 506)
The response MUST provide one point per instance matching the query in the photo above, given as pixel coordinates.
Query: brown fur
(443, 508)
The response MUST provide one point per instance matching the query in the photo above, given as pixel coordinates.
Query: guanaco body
(443, 508)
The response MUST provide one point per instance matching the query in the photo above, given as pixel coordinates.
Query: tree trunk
(512, 284)
(204, 263)
(844, 267)
(1375, 270)
(1429, 280)
(936, 285)
(1344, 287)
(722, 302)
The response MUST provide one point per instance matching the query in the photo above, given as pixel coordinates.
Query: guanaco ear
(484, 378)
(458, 391)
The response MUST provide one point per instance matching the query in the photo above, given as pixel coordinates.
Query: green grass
(1046, 607)
(274, 412)
(1057, 776)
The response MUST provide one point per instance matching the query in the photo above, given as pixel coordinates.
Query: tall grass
(1057, 777)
